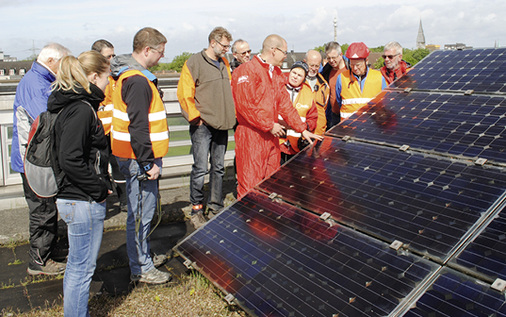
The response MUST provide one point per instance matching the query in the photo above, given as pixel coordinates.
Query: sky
(27, 25)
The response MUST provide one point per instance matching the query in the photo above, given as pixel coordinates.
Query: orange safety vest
(158, 129)
(302, 103)
(104, 112)
(321, 97)
(354, 99)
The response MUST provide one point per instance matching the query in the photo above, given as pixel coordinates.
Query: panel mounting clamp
(230, 298)
(188, 264)
(499, 285)
(407, 90)
(404, 148)
(325, 216)
(273, 195)
(396, 245)
(480, 161)
(469, 92)
(346, 138)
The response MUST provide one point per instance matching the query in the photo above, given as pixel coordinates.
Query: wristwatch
(147, 167)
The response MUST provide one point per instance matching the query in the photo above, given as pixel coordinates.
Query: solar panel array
(398, 212)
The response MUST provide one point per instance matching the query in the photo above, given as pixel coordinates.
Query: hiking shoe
(198, 220)
(159, 259)
(153, 276)
(50, 268)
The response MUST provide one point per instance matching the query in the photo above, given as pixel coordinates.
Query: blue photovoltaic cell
(274, 253)
(487, 253)
(427, 202)
(481, 70)
(278, 260)
(469, 126)
(455, 294)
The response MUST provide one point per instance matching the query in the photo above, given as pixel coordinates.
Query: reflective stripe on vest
(105, 115)
(158, 129)
(352, 97)
(303, 103)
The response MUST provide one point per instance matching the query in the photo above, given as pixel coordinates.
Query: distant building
(457, 46)
(14, 69)
(420, 39)
(7, 58)
(433, 47)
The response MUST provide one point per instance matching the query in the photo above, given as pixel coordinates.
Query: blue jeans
(142, 200)
(208, 145)
(85, 223)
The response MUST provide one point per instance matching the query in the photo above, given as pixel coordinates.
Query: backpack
(41, 163)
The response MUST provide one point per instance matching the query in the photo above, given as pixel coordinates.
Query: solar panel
(480, 70)
(486, 255)
(469, 126)
(455, 294)
(425, 201)
(398, 212)
(279, 260)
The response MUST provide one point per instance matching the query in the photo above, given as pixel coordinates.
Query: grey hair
(330, 46)
(52, 50)
(394, 45)
(237, 42)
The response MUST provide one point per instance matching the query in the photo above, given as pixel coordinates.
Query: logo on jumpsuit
(242, 79)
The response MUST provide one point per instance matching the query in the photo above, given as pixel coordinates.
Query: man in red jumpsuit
(260, 96)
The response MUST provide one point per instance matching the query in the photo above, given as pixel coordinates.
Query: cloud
(186, 24)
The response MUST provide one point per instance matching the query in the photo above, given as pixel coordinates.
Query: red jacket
(259, 99)
(391, 76)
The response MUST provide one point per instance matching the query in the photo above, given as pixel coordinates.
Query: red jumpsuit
(258, 101)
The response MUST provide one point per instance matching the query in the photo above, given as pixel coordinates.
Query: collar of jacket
(266, 65)
(210, 60)
(291, 88)
(43, 71)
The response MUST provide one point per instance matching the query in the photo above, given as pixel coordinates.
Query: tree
(178, 61)
(176, 64)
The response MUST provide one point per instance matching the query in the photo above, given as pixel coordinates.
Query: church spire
(420, 39)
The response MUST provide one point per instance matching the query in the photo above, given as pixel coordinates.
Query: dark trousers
(43, 224)
(117, 176)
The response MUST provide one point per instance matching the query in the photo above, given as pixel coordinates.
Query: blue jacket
(31, 99)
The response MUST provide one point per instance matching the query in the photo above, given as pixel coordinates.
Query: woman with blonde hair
(81, 148)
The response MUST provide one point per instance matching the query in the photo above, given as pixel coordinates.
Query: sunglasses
(389, 56)
(245, 52)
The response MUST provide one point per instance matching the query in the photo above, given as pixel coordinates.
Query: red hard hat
(357, 50)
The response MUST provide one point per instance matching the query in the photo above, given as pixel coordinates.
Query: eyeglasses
(224, 46)
(245, 52)
(157, 50)
(333, 58)
(284, 52)
(389, 56)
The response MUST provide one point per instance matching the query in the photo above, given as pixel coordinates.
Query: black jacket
(81, 144)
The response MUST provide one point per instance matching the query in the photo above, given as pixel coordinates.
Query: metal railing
(175, 166)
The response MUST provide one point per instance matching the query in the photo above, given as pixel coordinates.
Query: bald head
(313, 60)
(274, 50)
(273, 40)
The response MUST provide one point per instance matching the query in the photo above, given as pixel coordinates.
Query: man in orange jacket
(104, 113)
(359, 84)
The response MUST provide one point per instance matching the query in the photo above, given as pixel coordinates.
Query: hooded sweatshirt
(81, 144)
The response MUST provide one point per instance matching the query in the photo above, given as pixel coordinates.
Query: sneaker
(197, 219)
(153, 276)
(159, 259)
(50, 268)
